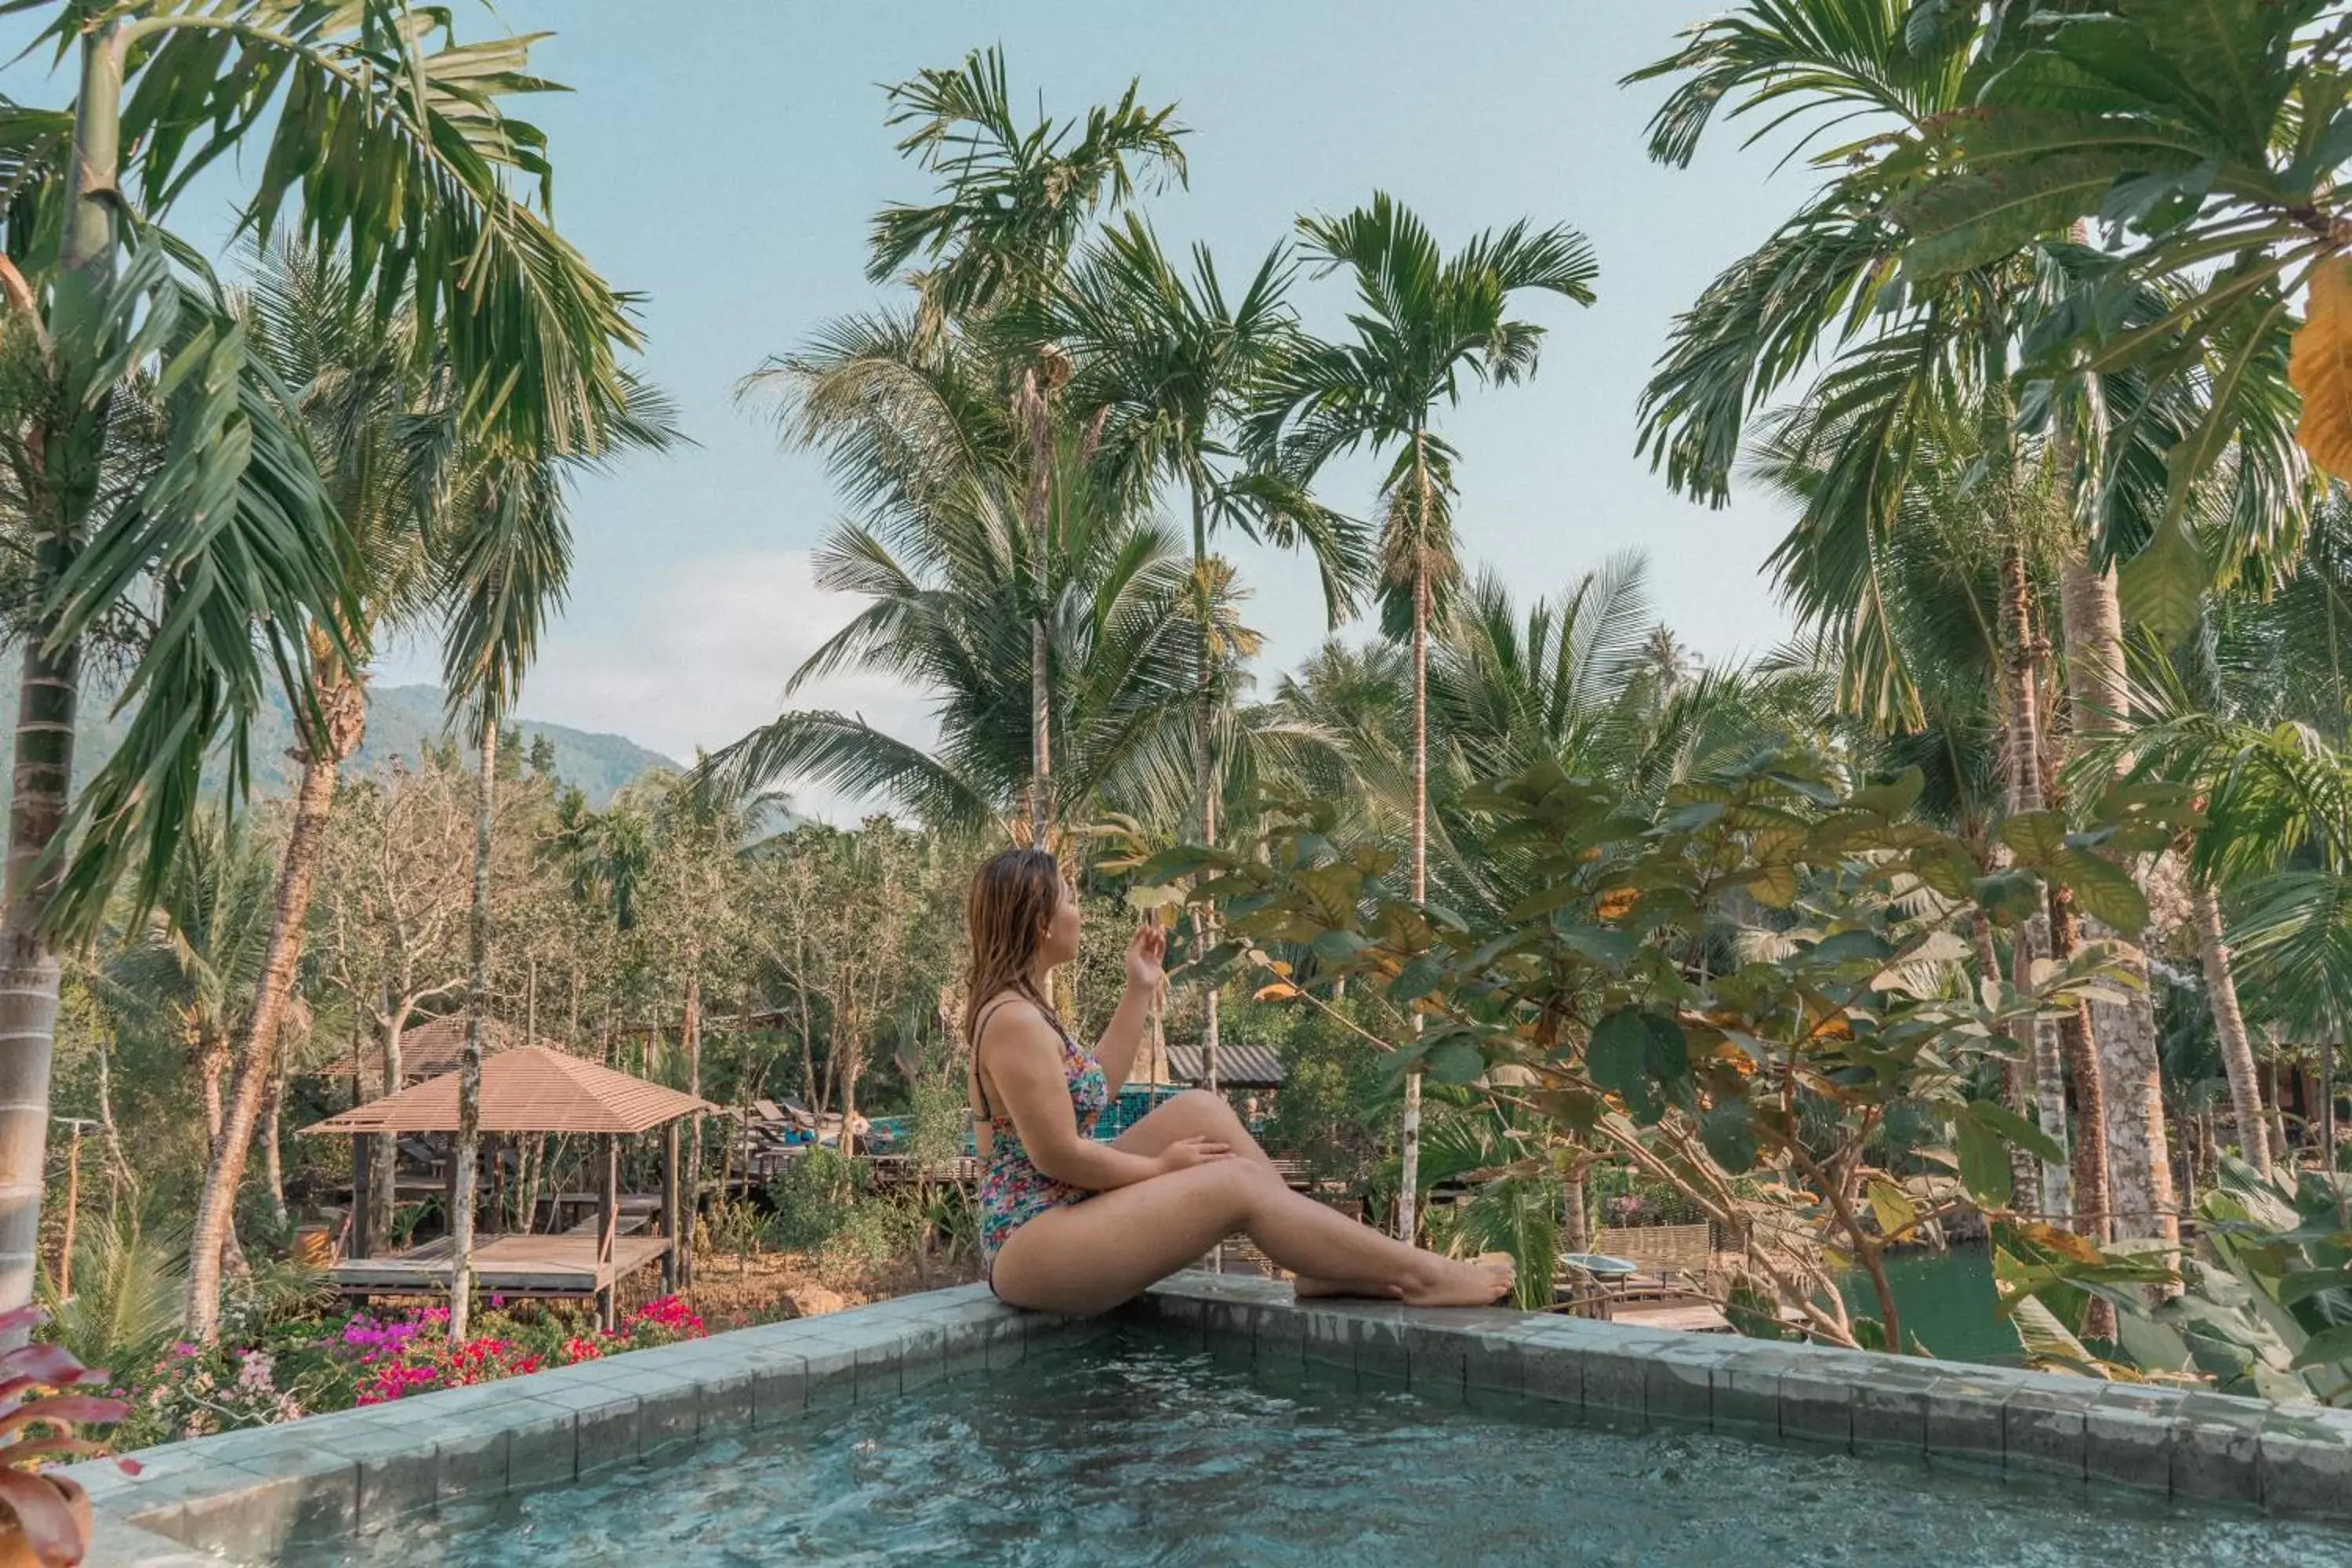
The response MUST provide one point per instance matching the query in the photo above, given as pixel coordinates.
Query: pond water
(1948, 1304)
(1136, 1453)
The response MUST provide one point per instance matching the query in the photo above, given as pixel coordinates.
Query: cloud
(699, 657)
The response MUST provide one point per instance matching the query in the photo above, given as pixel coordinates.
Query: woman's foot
(1307, 1288)
(1452, 1282)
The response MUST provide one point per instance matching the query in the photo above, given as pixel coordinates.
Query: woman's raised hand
(1186, 1152)
(1147, 957)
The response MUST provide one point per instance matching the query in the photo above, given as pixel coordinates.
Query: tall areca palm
(1166, 367)
(232, 521)
(1015, 199)
(501, 577)
(1424, 323)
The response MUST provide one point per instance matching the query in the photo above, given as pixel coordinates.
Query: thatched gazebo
(530, 1089)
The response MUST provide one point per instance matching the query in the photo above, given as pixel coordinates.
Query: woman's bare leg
(1090, 1257)
(1198, 1113)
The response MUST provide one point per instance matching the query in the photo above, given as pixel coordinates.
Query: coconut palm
(233, 523)
(949, 606)
(1015, 198)
(1424, 323)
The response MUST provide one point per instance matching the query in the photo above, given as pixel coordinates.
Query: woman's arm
(1027, 1080)
(1123, 1037)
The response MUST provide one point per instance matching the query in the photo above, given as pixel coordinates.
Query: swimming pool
(1136, 1450)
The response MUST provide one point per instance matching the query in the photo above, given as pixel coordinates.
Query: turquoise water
(1136, 1453)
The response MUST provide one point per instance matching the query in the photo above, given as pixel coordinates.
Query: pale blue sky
(723, 158)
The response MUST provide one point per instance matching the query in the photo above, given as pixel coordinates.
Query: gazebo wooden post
(674, 1269)
(608, 1222)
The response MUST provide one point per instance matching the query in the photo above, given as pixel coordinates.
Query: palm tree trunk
(2022, 664)
(470, 1061)
(1036, 504)
(2229, 1025)
(1408, 1132)
(2090, 1151)
(2140, 1165)
(2024, 1171)
(1205, 784)
(273, 1163)
(68, 449)
(344, 709)
(256, 1047)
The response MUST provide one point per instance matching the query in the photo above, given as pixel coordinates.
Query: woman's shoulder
(1017, 1008)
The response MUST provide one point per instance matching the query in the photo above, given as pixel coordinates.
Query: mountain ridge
(402, 720)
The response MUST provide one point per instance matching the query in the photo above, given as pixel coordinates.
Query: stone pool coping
(246, 1495)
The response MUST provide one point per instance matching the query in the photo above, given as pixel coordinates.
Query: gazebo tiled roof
(1238, 1065)
(432, 1048)
(527, 1088)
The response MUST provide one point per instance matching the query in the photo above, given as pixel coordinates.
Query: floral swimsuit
(1013, 1190)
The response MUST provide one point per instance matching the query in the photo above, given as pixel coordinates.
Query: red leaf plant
(45, 1520)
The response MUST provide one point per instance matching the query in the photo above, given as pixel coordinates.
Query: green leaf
(1729, 1133)
(1610, 948)
(1851, 946)
(2162, 588)
(1984, 1164)
(2309, 1283)
(1774, 886)
(2008, 898)
(1945, 866)
(1896, 1215)
(2036, 837)
(1666, 1053)
(1892, 797)
(2015, 1128)
(1456, 1061)
(1183, 860)
(1617, 1060)
(2334, 1344)
(1338, 946)
(2102, 889)
(1418, 978)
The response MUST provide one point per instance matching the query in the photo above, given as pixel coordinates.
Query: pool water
(1134, 1452)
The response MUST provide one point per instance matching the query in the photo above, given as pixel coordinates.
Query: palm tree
(1424, 322)
(1015, 199)
(1923, 330)
(950, 595)
(1165, 369)
(233, 522)
(505, 573)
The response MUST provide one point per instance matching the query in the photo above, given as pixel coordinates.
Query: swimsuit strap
(980, 1031)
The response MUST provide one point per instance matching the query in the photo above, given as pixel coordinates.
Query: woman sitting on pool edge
(1071, 1225)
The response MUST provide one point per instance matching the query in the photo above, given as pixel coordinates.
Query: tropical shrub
(1757, 978)
(812, 1197)
(2263, 1303)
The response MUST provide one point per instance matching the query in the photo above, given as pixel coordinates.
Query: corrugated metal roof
(431, 1048)
(1238, 1065)
(528, 1089)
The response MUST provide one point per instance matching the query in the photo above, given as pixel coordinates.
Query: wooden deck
(503, 1264)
